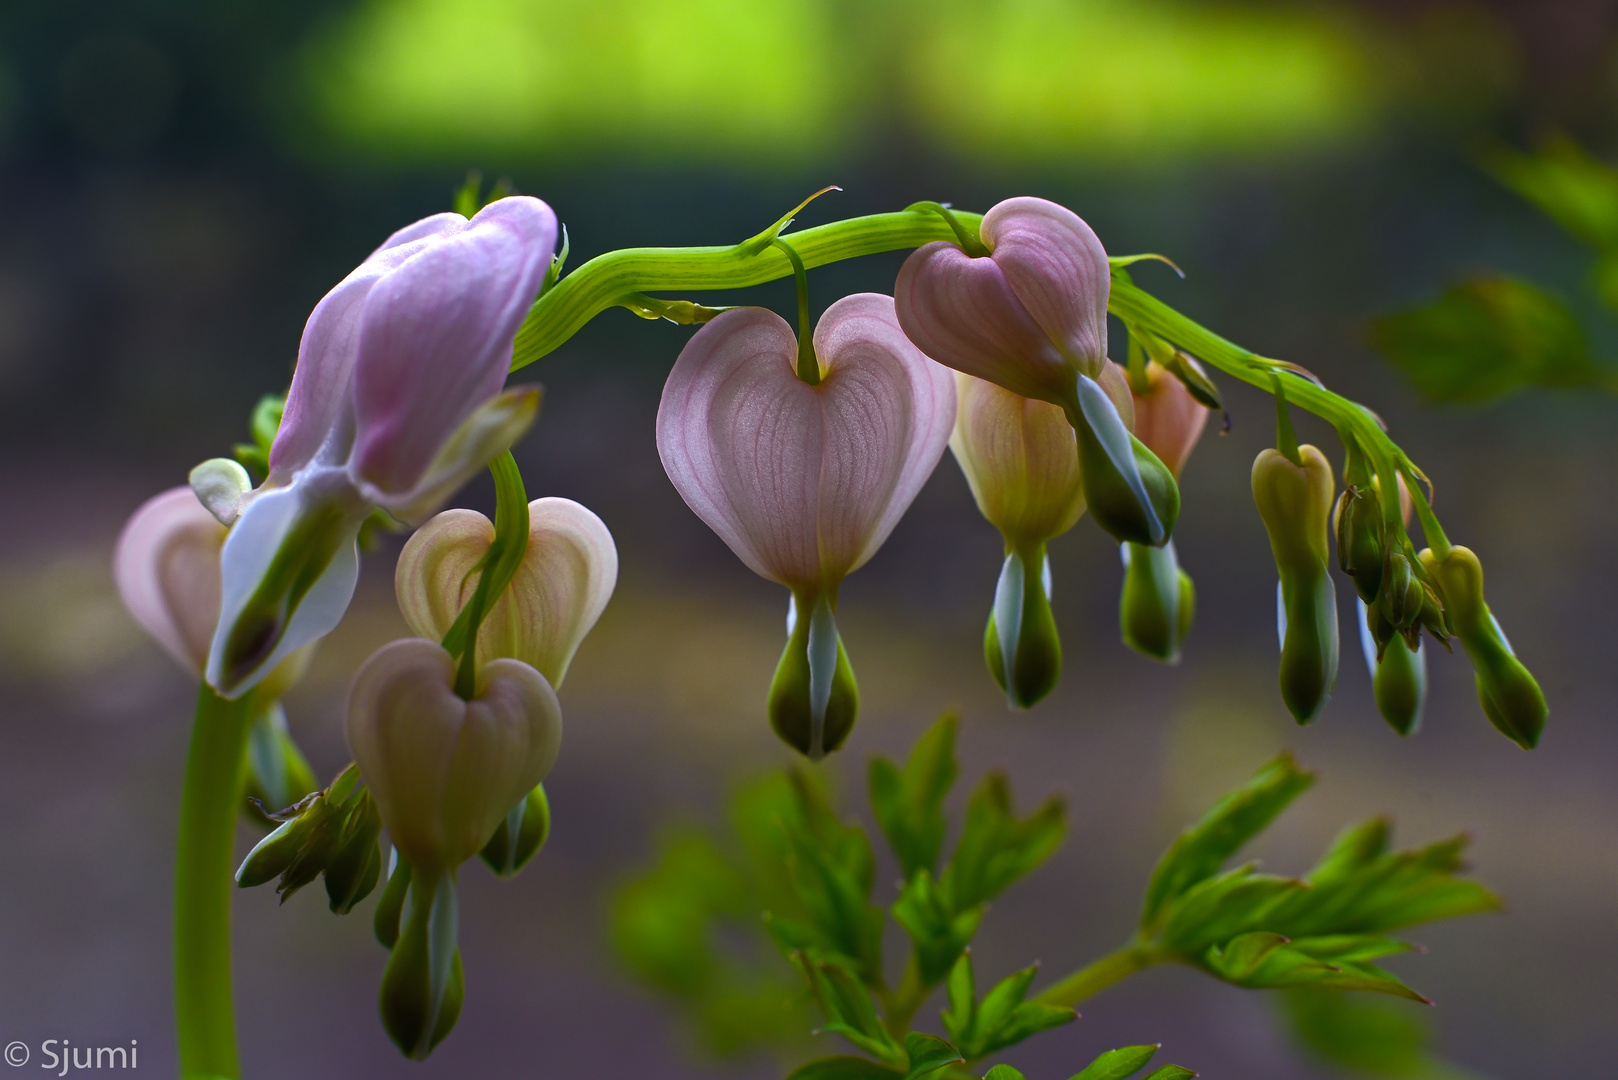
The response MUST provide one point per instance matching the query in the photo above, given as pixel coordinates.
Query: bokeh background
(183, 179)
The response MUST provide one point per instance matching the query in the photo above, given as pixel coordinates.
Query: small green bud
(423, 984)
(1510, 697)
(356, 861)
(1398, 671)
(1295, 502)
(1158, 602)
(813, 698)
(278, 774)
(1359, 539)
(1027, 662)
(530, 822)
(1402, 594)
(272, 855)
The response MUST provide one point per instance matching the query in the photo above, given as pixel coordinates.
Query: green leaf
(1264, 960)
(844, 1067)
(1238, 817)
(1487, 337)
(928, 1054)
(1575, 190)
(1221, 907)
(909, 803)
(938, 933)
(1118, 1064)
(1003, 1072)
(849, 1009)
(1003, 1018)
(996, 847)
(963, 1000)
(1170, 1072)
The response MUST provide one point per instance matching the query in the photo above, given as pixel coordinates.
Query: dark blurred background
(185, 178)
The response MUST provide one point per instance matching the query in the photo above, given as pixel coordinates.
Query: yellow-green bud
(1510, 697)
(1295, 502)
(1398, 670)
(1360, 552)
(529, 823)
(814, 699)
(423, 984)
(1027, 663)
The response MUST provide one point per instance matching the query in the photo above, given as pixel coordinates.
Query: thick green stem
(1115, 967)
(215, 773)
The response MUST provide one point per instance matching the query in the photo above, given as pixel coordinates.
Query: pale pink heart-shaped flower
(804, 482)
(560, 589)
(1020, 459)
(395, 402)
(1029, 317)
(445, 771)
(1167, 418)
(166, 566)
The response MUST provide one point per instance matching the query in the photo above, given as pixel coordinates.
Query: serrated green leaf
(938, 933)
(844, 1067)
(1027, 1019)
(1353, 849)
(909, 803)
(1263, 960)
(928, 1054)
(1202, 849)
(1003, 1072)
(1221, 907)
(1170, 1072)
(833, 871)
(996, 847)
(997, 1005)
(962, 1012)
(849, 1009)
(1487, 337)
(1119, 1064)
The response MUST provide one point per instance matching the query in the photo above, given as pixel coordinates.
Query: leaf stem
(1089, 981)
(215, 774)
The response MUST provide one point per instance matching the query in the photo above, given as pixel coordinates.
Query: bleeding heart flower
(395, 403)
(1167, 418)
(1028, 317)
(560, 589)
(804, 482)
(444, 771)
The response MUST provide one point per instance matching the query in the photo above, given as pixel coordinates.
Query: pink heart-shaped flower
(804, 482)
(1167, 418)
(1028, 317)
(559, 591)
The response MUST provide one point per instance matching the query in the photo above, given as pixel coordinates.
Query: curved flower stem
(1089, 981)
(215, 772)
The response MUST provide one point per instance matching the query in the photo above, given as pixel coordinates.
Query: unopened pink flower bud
(167, 569)
(1167, 418)
(559, 591)
(445, 772)
(1029, 316)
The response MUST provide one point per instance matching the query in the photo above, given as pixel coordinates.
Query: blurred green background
(185, 178)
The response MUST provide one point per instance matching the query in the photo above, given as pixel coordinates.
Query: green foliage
(1366, 1036)
(1494, 335)
(1261, 930)
(265, 423)
(909, 802)
(1003, 1018)
(1488, 337)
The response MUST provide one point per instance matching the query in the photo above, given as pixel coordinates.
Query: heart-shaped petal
(444, 771)
(1027, 317)
(1167, 418)
(803, 482)
(559, 591)
(1020, 459)
(167, 569)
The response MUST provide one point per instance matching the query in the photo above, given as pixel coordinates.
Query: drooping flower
(1295, 502)
(1031, 316)
(395, 402)
(1021, 461)
(559, 591)
(804, 482)
(445, 772)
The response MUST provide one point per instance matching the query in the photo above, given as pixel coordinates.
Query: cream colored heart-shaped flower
(445, 772)
(558, 593)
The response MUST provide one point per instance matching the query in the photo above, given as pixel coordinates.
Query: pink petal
(888, 415)
(167, 569)
(963, 313)
(1058, 269)
(740, 438)
(804, 483)
(320, 383)
(436, 335)
(1168, 419)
